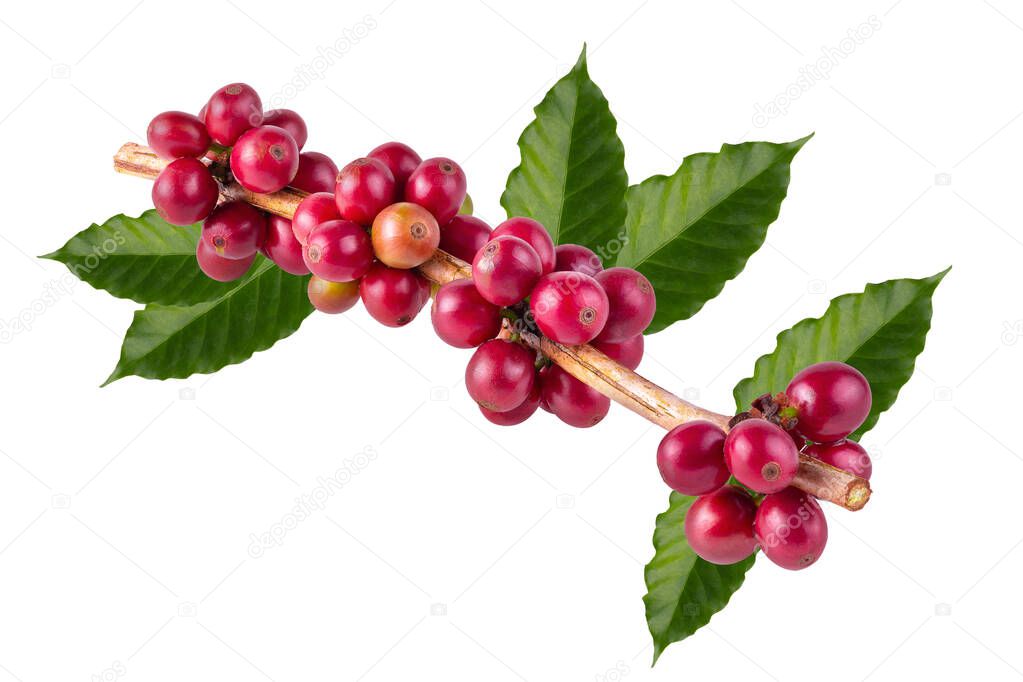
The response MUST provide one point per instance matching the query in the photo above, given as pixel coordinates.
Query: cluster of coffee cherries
(821, 406)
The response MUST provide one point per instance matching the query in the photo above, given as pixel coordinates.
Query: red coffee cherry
(438, 185)
(400, 159)
(338, 251)
(691, 458)
(572, 401)
(235, 230)
(576, 258)
(316, 173)
(791, 529)
(632, 302)
(264, 159)
(464, 236)
(500, 375)
(462, 317)
(761, 455)
(314, 209)
(184, 192)
(405, 235)
(534, 234)
(393, 297)
(364, 188)
(231, 111)
(220, 268)
(719, 526)
(845, 454)
(516, 415)
(505, 270)
(288, 120)
(833, 400)
(332, 297)
(628, 353)
(282, 248)
(175, 135)
(569, 307)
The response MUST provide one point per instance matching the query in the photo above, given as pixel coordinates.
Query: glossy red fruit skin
(572, 401)
(691, 458)
(461, 317)
(569, 307)
(633, 303)
(185, 192)
(506, 270)
(576, 258)
(393, 297)
(791, 529)
(176, 135)
(282, 248)
(404, 235)
(332, 297)
(364, 188)
(761, 455)
(316, 173)
(845, 454)
(400, 158)
(516, 415)
(235, 230)
(533, 233)
(628, 353)
(265, 159)
(338, 251)
(464, 236)
(719, 526)
(288, 120)
(438, 185)
(219, 268)
(500, 375)
(231, 111)
(314, 209)
(833, 399)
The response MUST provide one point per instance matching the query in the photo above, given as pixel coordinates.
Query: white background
(127, 511)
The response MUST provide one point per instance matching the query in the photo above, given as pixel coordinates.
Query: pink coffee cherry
(220, 268)
(534, 234)
(364, 188)
(628, 353)
(338, 251)
(833, 400)
(288, 120)
(464, 236)
(235, 230)
(400, 159)
(505, 270)
(282, 248)
(791, 529)
(264, 159)
(569, 307)
(175, 135)
(332, 297)
(393, 297)
(576, 258)
(231, 111)
(845, 454)
(500, 375)
(185, 192)
(314, 209)
(691, 458)
(572, 401)
(761, 455)
(632, 301)
(316, 173)
(462, 317)
(438, 185)
(719, 526)
(516, 415)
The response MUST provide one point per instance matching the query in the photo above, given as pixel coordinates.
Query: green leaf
(691, 232)
(144, 259)
(879, 332)
(572, 175)
(683, 590)
(177, 341)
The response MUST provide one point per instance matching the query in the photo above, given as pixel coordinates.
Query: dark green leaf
(691, 232)
(572, 175)
(177, 341)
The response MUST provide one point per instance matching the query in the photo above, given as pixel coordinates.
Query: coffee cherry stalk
(550, 327)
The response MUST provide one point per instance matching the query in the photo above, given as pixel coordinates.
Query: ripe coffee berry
(534, 234)
(761, 455)
(282, 248)
(231, 111)
(569, 307)
(628, 353)
(220, 268)
(364, 188)
(265, 159)
(576, 258)
(719, 526)
(235, 230)
(500, 375)
(288, 120)
(464, 236)
(338, 250)
(332, 297)
(505, 270)
(316, 173)
(461, 317)
(184, 192)
(572, 401)
(175, 135)
(405, 235)
(832, 399)
(791, 529)
(438, 185)
(400, 159)
(516, 415)
(314, 209)
(845, 454)
(393, 297)
(632, 301)
(691, 458)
